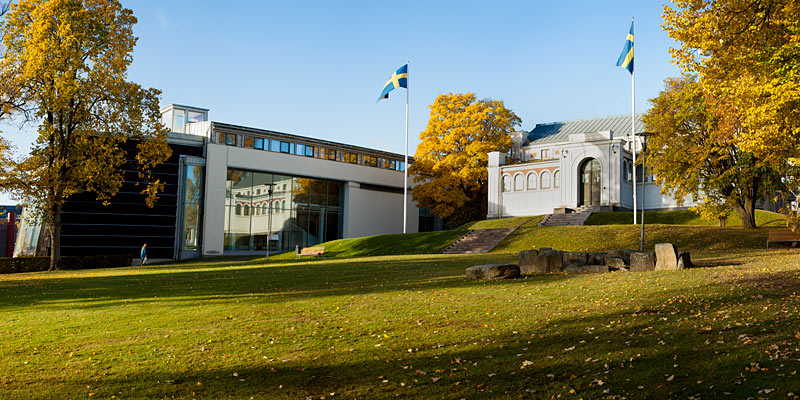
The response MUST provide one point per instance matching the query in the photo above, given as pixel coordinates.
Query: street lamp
(644, 136)
(269, 218)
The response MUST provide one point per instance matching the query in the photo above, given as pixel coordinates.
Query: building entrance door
(590, 183)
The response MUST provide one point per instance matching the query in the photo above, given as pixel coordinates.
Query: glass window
(192, 206)
(532, 178)
(258, 143)
(402, 166)
(545, 154)
(519, 183)
(382, 163)
(309, 152)
(545, 180)
(248, 142)
(285, 147)
(274, 145)
(300, 149)
(557, 178)
(392, 164)
(506, 183)
(331, 154)
(193, 116)
(179, 121)
(230, 139)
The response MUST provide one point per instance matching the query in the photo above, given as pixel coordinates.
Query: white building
(562, 166)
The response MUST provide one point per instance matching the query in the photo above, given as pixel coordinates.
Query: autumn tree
(694, 152)
(746, 52)
(64, 69)
(450, 164)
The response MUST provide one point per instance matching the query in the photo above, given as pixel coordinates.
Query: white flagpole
(633, 134)
(405, 169)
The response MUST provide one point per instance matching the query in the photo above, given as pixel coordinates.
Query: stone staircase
(576, 218)
(478, 241)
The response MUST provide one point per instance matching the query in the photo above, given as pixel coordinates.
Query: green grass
(513, 222)
(610, 237)
(412, 243)
(681, 217)
(403, 326)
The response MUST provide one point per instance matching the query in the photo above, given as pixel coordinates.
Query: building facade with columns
(566, 166)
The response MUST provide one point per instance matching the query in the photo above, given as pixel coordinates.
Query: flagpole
(405, 168)
(633, 135)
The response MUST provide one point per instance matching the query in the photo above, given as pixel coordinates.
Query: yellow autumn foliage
(450, 164)
(64, 68)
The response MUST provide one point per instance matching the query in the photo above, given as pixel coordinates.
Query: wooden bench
(783, 236)
(312, 251)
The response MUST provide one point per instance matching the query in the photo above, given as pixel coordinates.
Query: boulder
(581, 268)
(625, 255)
(596, 258)
(527, 261)
(666, 257)
(616, 263)
(572, 257)
(684, 261)
(643, 261)
(493, 271)
(548, 262)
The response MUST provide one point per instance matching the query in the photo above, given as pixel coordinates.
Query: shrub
(35, 264)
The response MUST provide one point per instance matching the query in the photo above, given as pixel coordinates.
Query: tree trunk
(55, 238)
(747, 213)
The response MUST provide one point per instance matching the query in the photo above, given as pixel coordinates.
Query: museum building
(573, 165)
(231, 189)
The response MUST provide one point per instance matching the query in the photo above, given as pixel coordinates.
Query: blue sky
(315, 68)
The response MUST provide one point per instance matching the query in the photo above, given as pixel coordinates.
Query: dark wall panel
(91, 228)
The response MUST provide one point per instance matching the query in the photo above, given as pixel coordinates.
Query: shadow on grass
(273, 282)
(660, 350)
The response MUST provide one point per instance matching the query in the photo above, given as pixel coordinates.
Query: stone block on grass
(616, 264)
(684, 260)
(527, 262)
(574, 257)
(643, 261)
(596, 258)
(493, 272)
(666, 257)
(549, 262)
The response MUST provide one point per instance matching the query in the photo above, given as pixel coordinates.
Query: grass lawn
(404, 326)
(682, 217)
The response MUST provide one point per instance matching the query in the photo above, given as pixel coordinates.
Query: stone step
(478, 241)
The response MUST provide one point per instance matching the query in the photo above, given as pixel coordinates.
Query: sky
(316, 68)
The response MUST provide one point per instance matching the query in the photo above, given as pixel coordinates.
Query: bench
(312, 251)
(783, 236)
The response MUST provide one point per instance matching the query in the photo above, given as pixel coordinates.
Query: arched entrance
(590, 183)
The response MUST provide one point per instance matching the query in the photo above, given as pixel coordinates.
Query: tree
(64, 68)
(746, 52)
(694, 151)
(450, 163)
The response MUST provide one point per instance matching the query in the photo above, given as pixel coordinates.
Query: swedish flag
(626, 58)
(397, 80)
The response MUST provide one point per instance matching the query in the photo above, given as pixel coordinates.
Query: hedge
(35, 264)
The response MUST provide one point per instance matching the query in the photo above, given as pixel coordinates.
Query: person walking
(143, 254)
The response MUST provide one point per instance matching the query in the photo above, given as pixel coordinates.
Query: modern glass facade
(192, 206)
(281, 210)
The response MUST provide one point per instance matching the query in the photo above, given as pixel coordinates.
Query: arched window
(264, 208)
(519, 183)
(246, 210)
(557, 178)
(283, 204)
(238, 209)
(545, 180)
(506, 183)
(532, 180)
(256, 210)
